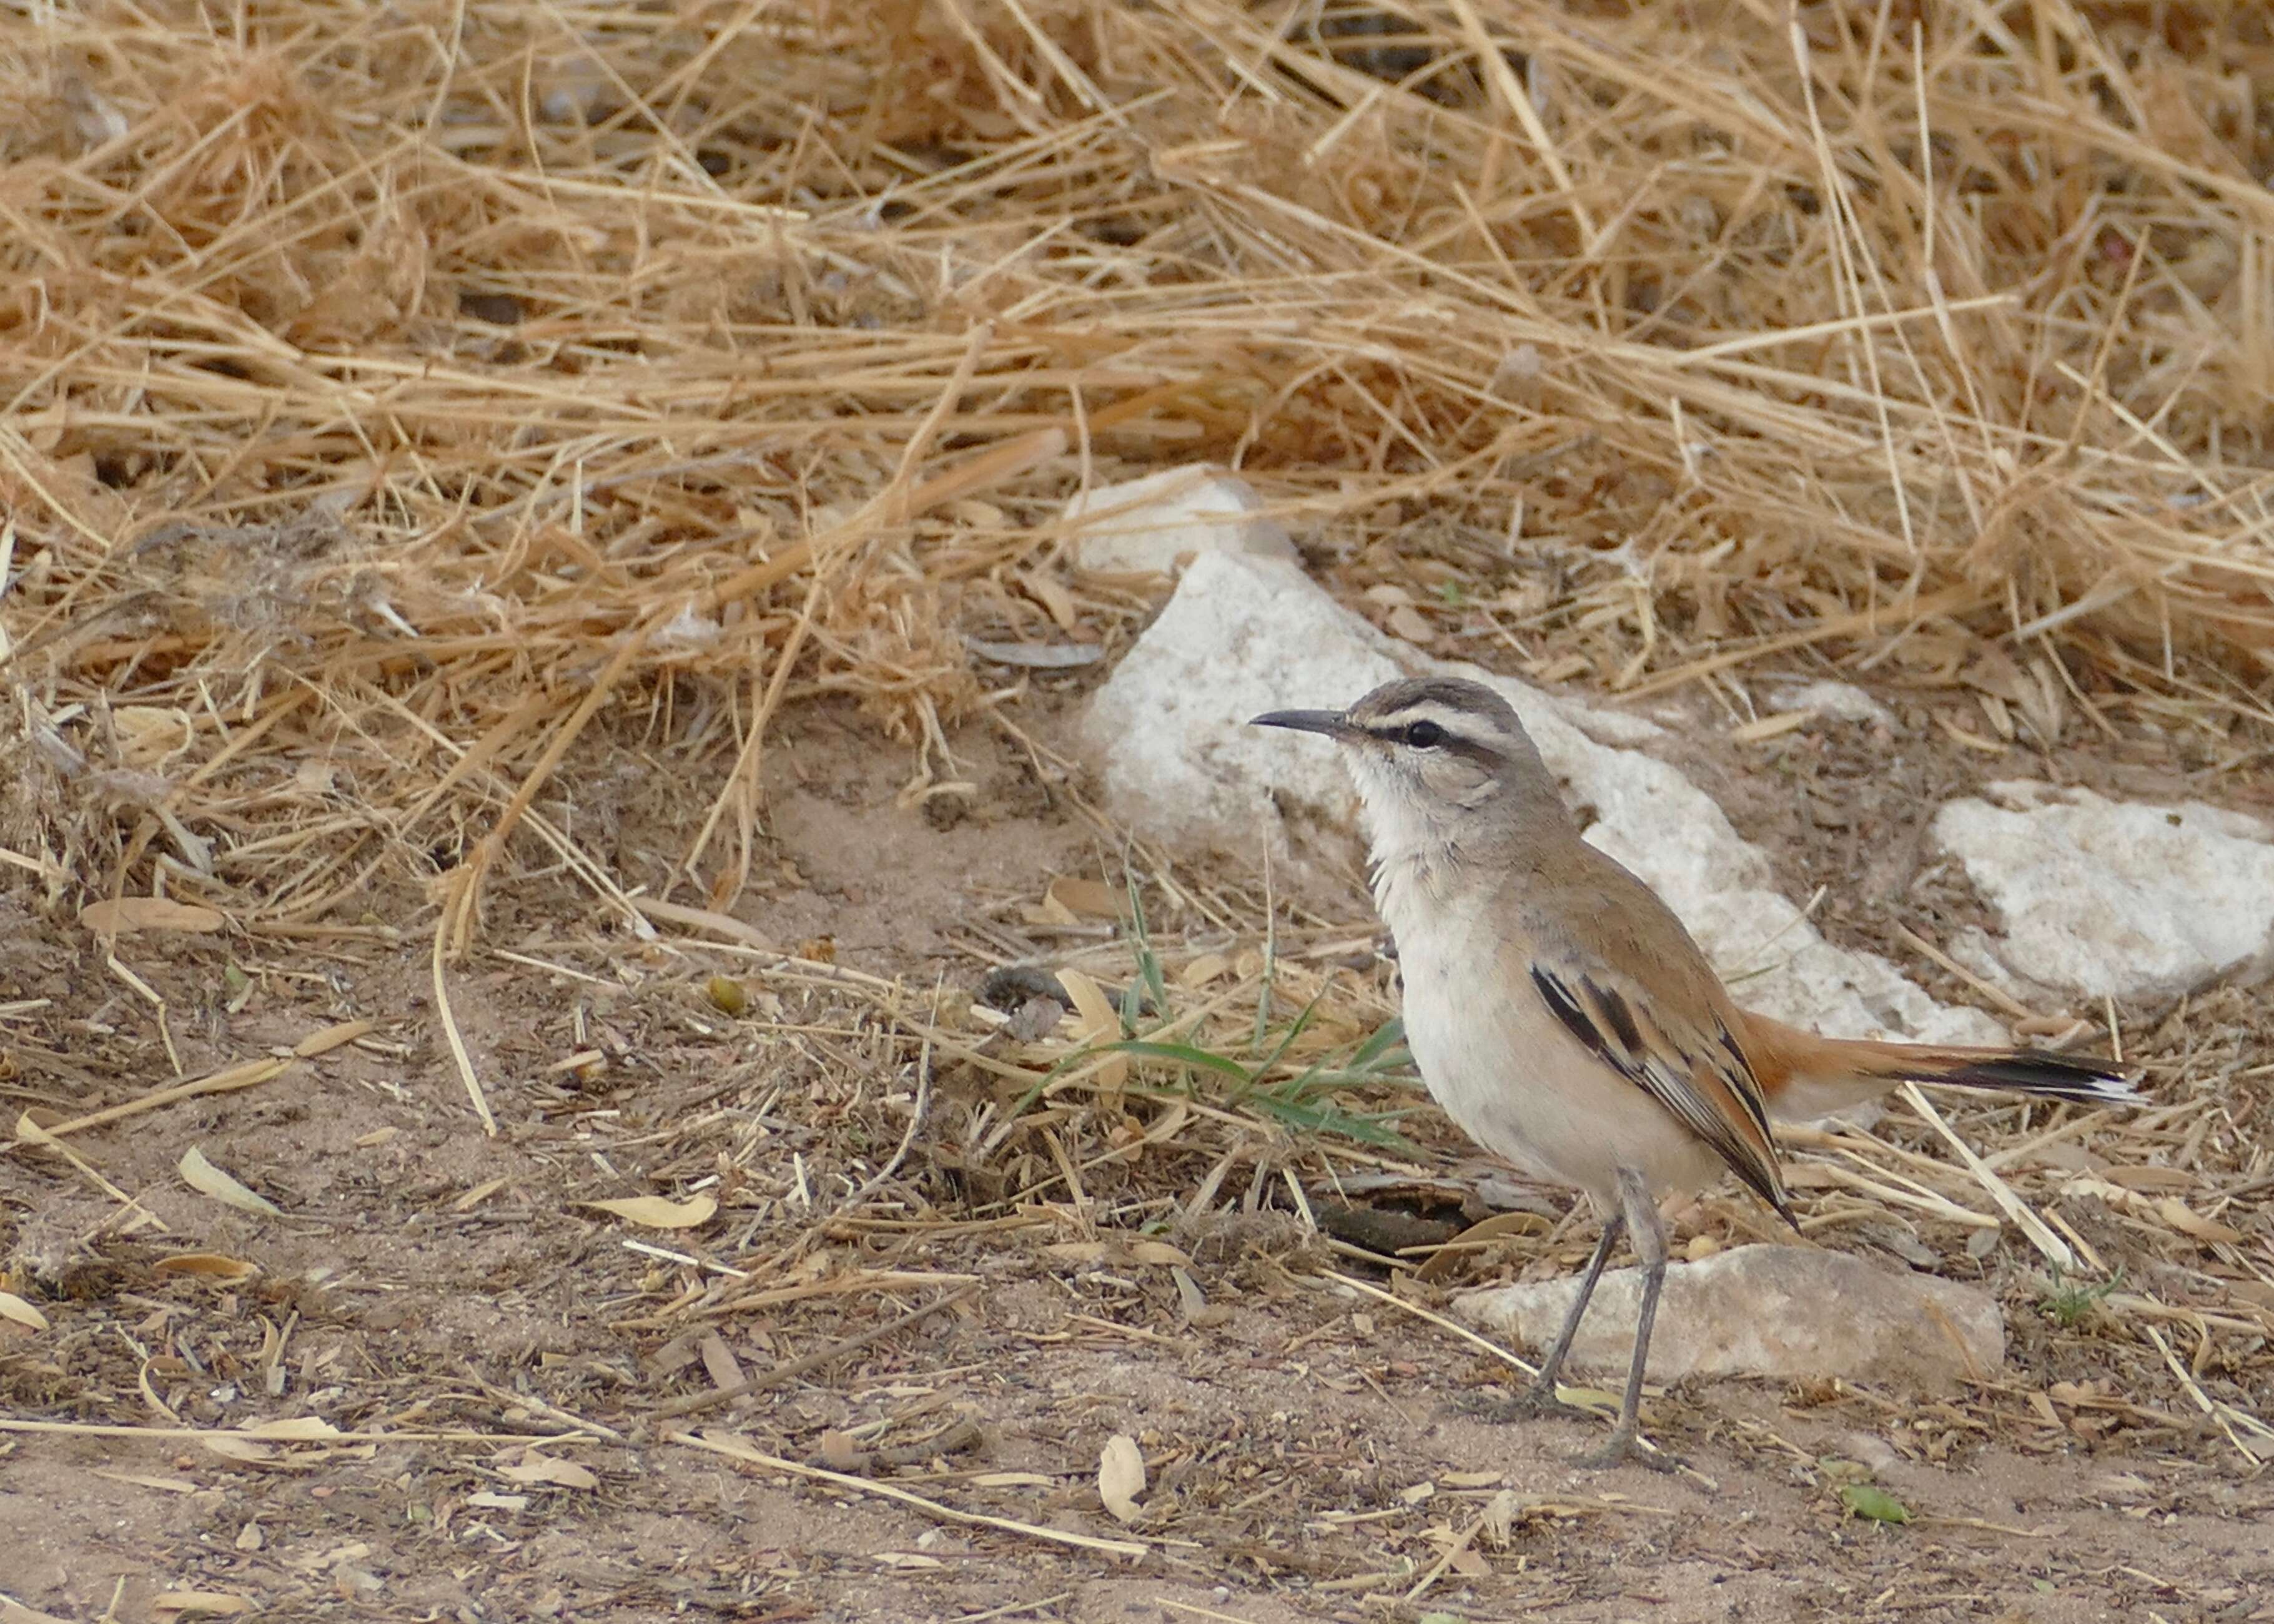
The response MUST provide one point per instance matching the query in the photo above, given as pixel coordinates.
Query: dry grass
(390, 392)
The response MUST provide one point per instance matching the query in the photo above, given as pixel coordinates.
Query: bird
(1565, 1019)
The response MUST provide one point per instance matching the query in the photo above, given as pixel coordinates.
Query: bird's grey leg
(1543, 1387)
(1539, 1399)
(1650, 1246)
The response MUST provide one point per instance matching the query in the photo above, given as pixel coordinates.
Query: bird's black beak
(1333, 724)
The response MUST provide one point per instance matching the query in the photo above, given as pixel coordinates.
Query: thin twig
(915, 1115)
(790, 1370)
(735, 1449)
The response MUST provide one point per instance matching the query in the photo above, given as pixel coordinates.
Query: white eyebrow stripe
(1463, 724)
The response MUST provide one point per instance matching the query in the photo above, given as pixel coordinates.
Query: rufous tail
(1805, 1077)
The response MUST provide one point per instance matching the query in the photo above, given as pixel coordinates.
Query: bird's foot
(1626, 1447)
(1526, 1404)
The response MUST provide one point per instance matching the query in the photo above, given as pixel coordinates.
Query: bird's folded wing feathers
(1690, 1061)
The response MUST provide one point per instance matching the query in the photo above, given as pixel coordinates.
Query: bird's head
(1436, 760)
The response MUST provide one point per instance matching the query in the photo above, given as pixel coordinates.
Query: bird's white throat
(1410, 854)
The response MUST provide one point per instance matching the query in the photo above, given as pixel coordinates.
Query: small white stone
(1150, 526)
(1784, 1311)
(686, 630)
(1869, 1449)
(1843, 702)
(2118, 899)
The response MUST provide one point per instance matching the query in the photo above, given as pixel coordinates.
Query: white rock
(1243, 636)
(1169, 728)
(1975, 951)
(1872, 1451)
(1843, 702)
(1149, 526)
(1788, 1311)
(2115, 898)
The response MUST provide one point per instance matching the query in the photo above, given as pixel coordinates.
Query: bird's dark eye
(1425, 735)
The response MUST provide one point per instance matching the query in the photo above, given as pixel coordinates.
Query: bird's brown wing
(1619, 972)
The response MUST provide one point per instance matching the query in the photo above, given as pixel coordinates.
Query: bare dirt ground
(514, 1381)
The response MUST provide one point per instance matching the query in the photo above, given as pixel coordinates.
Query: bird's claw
(1527, 1404)
(1625, 1447)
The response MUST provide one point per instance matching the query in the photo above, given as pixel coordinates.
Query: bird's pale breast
(1504, 1069)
